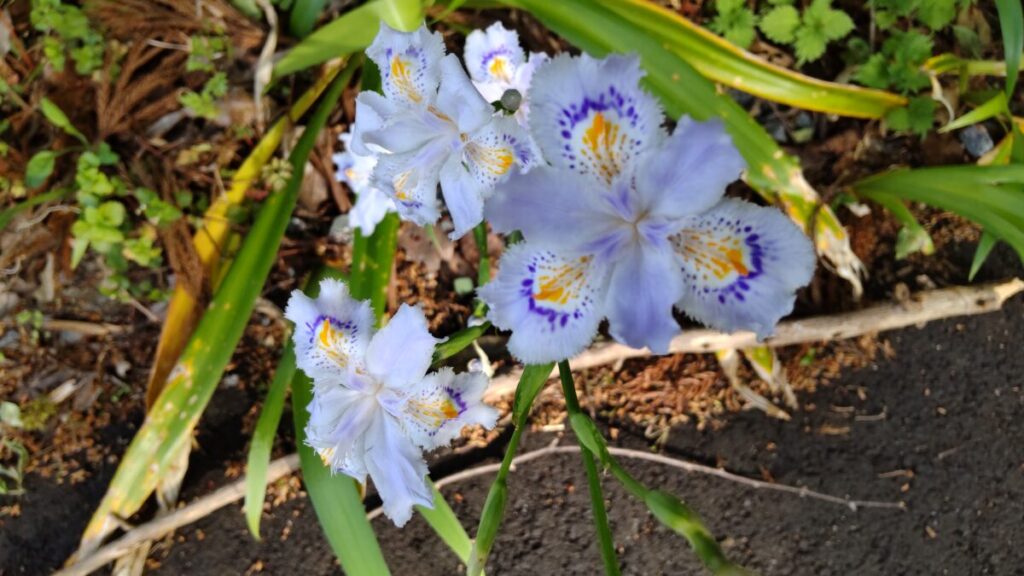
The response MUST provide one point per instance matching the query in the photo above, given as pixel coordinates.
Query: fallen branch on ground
(206, 505)
(197, 509)
(919, 309)
(553, 448)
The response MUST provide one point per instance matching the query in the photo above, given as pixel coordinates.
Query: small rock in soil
(976, 140)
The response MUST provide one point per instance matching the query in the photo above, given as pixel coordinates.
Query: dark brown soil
(937, 426)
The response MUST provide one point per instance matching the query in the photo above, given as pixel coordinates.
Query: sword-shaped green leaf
(194, 378)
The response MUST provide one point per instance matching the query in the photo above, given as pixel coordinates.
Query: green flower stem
(458, 342)
(381, 262)
(494, 509)
(668, 509)
(604, 533)
(483, 275)
(533, 379)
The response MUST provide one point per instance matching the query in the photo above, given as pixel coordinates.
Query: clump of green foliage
(67, 33)
(808, 31)
(910, 27)
(103, 223)
(104, 226)
(204, 103)
(735, 21)
(203, 53)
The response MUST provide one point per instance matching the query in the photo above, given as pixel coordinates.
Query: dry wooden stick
(199, 508)
(553, 448)
(920, 308)
(206, 505)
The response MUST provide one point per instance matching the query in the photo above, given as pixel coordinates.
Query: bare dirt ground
(938, 426)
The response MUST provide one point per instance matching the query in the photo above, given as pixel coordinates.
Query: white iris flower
(498, 64)
(375, 409)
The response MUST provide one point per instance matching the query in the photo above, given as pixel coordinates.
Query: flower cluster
(375, 408)
(431, 126)
(622, 221)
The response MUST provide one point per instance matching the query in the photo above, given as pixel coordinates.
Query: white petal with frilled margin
(372, 111)
(397, 468)
(410, 180)
(458, 100)
(463, 196)
(493, 55)
(400, 353)
(331, 333)
(442, 404)
(338, 420)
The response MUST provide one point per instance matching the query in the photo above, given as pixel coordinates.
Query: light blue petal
(397, 469)
(411, 131)
(644, 286)
(552, 305)
(400, 353)
(742, 266)
(463, 195)
(556, 210)
(688, 174)
(409, 64)
(590, 116)
(459, 100)
(372, 111)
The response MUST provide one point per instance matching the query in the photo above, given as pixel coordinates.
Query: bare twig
(77, 326)
(919, 309)
(194, 511)
(281, 467)
(693, 467)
